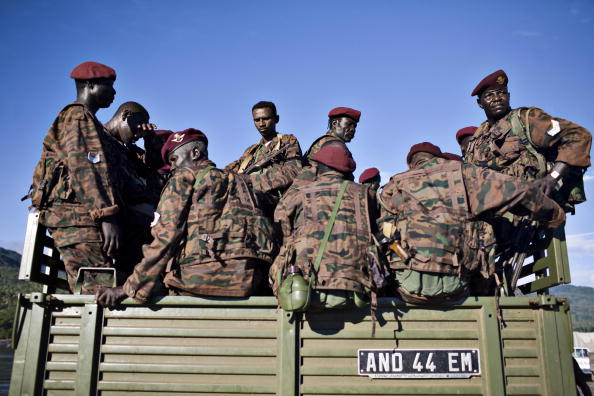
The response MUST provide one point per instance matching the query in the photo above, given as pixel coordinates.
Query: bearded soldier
(433, 218)
(72, 188)
(201, 245)
(528, 143)
(276, 157)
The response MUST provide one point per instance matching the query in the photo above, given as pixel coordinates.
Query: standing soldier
(276, 157)
(371, 177)
(463, 138)
(72, 189)
(202, 241)
(434, 222)
(328, 228)
(138, 185)
(528, 143)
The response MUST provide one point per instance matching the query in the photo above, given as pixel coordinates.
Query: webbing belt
(329, 229)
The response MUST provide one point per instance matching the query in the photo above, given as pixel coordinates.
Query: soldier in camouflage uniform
(276, 157)
(348, 260)
(72, 188)
(463, 137)
(210, 238)
(138, 185)
(434, 217)
(371, 177)
(528, 143)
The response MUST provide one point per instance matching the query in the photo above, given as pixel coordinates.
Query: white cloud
(582, 244)
(588, 177)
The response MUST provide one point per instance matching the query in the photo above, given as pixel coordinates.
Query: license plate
(419, 363)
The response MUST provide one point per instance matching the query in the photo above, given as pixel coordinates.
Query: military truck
(65, 344)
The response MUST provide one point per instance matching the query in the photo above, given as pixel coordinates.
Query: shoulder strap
(329, 227)
(201, 174)
(523, 131)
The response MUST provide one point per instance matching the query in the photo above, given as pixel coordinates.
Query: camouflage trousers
(231, 278)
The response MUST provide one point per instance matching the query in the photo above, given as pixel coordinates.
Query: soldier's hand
(111, 235)
(546, 184)
(145, 130)
(109, 297)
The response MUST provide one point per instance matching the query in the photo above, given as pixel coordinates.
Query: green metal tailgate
(66, 345)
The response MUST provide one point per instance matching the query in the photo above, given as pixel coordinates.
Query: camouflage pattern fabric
(71, 182)
(208, 224)
(500, 148)
(321, 142)
(438, 212)
(303, 214)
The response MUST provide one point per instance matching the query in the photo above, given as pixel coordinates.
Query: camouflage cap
(467, 131)
(336, 157)
(494, 80)
(424, 147)
(346, 112)
(368, 174)
(178, 139)
(92, 70)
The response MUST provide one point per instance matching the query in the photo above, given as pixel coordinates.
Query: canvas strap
(250, 156)
(329, 228)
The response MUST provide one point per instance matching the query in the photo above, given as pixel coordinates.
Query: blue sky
(408, 66)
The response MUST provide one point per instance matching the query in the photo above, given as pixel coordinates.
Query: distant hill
(10, 287)
(581, 303)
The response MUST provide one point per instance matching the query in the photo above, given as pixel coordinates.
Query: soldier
(520, 142)
(201, 244)
(342, 124)
(72, 189)
(371, 177)
(463, 137)
(277, 157)
(343, 261)
(437, 234)
(138, 184)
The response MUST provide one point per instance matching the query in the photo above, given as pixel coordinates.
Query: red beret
(492, 81)
(452, 157)
(368, 174)
(424, 147)
(177, 139)
(91, 70)
(336, 157)
(468, 131)
(345, 111)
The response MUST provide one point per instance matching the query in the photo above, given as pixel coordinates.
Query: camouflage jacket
(200, 226)
(437, 214)
(71, 182)
(303, 215)
(321, 142)
(275, 173)
(516, 151)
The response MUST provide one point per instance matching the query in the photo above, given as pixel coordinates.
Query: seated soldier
(335, 252)
(203, 230)
(433, 213)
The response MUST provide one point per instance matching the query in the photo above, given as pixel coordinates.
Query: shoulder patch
(155, 219)
(94, 158)
(555, 128)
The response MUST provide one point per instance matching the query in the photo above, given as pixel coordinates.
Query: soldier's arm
(492, 193)
(284, 214)
(571, 142)
(86, 163)
(167, 231)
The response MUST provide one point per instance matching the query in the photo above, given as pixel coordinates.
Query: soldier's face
(132, 123)
(181, 157)
(495, 103)
(265, 121)
(102, 91)
(344, 128)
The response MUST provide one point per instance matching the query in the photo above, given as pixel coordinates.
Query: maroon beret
(468, 131)
(424, 147)
(178, 139)
(492, 81)
(368, 174)
(346, 112)
(336, 157)
(91, 70)
(452, 157)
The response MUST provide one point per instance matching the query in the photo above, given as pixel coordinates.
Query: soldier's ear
(276, 119)
(125, 114)
(478, 101)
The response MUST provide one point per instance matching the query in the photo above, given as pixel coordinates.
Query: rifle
(513, 264)
(264, 161)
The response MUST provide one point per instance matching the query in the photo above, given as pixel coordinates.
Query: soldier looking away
(528, 143)
(342, 125)
(72, 188)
